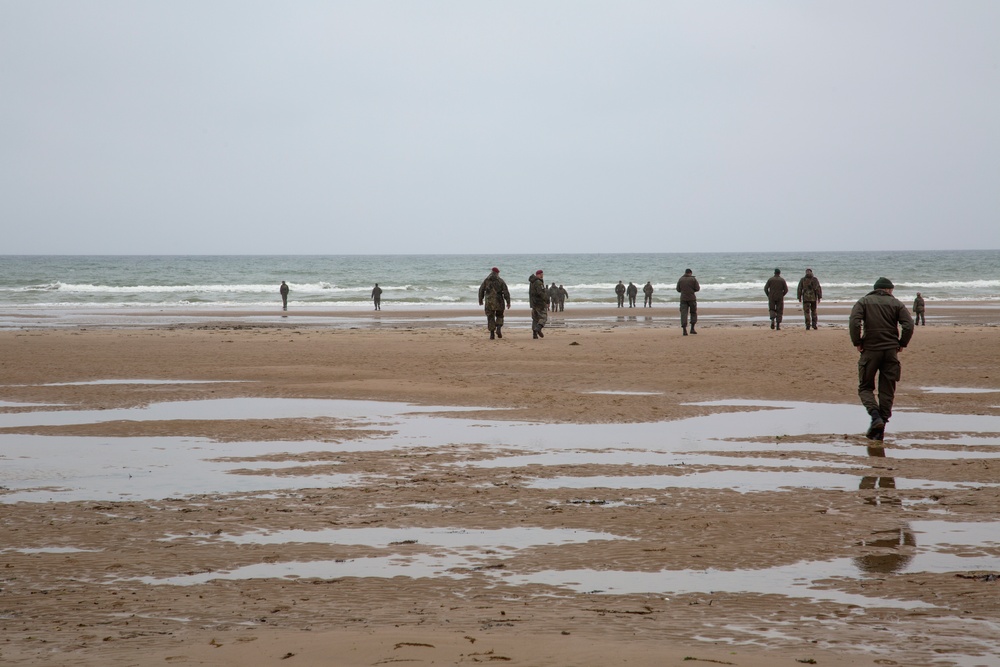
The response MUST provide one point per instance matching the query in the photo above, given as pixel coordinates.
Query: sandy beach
(575, 492)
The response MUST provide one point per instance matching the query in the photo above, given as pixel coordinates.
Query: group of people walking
(880, 326)
(808, 294)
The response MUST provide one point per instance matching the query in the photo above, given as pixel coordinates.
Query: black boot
(499, 334)
(540, 334)
(685, 330)
(876, 430)
(492, 335)
(693, 332)
(534, 333)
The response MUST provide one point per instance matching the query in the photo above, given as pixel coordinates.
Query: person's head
(495, 270)
(809, 272)
(539, 273)
(688, 272)
(777, 272)
(884, 284)
(282, 282)
(918, 293)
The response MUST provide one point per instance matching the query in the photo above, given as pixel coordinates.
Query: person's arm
(854, 325)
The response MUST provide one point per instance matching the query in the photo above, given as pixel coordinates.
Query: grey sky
(537, 126)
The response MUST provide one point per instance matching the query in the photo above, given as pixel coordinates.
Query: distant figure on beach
(620, 291)
(875, 324)
(283, 290)
(563, 295)
(776, 288)
(553, 294)
(647, 291)
(687, 286)
(632, 291)
(918, 311)
(538, 300)
(377, 297)
(494, 294)
(809, 294)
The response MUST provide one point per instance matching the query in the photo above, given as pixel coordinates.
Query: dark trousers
(776, 309)
(918, 318)
(647, 301)
(885, 364)
(809, 310)
(689, 307)
(494, 319)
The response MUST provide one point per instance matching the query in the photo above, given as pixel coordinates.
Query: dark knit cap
(884, 283)
(777, 272)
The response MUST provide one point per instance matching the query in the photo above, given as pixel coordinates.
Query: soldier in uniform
(377, 297)
(632, 291)
(538, 300)
(918, 311)
(553, 293)
(563, 295)
(494, 294)
(776, 288)
(620, 291)
(647, 291)
(809, 294)
(875, 324)
(687, 285)
(283, 290)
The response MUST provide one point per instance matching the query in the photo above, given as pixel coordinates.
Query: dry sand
(87, 608)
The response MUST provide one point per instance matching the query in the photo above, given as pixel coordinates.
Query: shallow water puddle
(65, 469)
(62, 468)
(459, 552)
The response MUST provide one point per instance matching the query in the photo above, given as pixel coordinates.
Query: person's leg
(499, 321)
(779, 312)
(812, 310)
(684, 317)
(693, 307)
(491, 321)
(868, 366)
(888, 375)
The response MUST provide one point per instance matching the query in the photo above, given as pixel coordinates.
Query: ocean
(318, 282)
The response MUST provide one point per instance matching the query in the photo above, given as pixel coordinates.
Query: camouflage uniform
(809, 293)
(620, 291)
(776, 288)
(283, 290)
(563, 295)
(647, 291)
(687, 285)
(873, 328)
(553, 293)
(632, 291)
(377, 297)
(494, 294)
(538, 299)
(918, 310)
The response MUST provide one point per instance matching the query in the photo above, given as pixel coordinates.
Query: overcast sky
(201, 127)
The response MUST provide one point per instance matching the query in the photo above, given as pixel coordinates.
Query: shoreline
(979, 313)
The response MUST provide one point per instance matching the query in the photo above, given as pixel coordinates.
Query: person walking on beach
(647, 291)
(632, 292)
(620, 291)
(687, 285)
(809, 294)
(918, 311)
(377, 297)
(494, 294)
(538, 301)
(880, 326)
(553, 294)
(563, 295)
(776, 288)
(283, 291)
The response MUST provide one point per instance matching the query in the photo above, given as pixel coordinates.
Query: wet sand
(80, 577)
